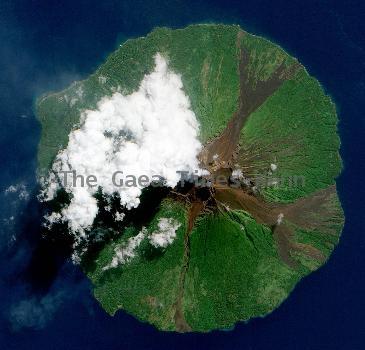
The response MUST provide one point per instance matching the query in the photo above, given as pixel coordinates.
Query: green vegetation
(234, 264)
(264, 58)
(147, 285)
(234, 273)
(205, 55)
(294, 129)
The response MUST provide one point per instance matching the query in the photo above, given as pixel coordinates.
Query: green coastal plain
(233, 259)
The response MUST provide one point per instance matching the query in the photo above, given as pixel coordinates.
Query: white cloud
(126, 252)
(153, 131)
(102, 79)
(237, 173)
(73, 101)
(273, 167)
(19, 189)
(280, 218)
(51, 219)
(80, 92)
(161, 238)
(119, 216)
(11, 189)
(165, 234)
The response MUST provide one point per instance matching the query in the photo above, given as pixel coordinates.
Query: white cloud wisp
(126, 252)
(161, 238)
(165, 234)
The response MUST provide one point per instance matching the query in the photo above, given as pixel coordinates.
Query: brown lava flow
(308, 213)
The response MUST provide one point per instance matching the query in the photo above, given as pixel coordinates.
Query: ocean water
(45, 302)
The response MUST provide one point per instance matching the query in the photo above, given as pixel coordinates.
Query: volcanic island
(184, 257)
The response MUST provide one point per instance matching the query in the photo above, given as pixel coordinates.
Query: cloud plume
(151, 132)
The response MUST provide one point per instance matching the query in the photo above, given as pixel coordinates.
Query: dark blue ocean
(45, 302)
